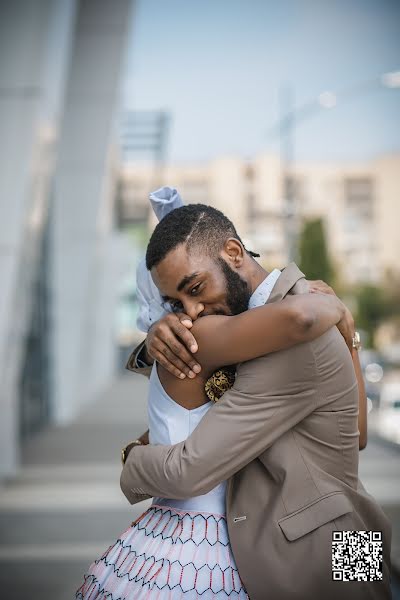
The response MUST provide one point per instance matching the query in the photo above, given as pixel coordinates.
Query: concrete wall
(82, 219)
(23, 45)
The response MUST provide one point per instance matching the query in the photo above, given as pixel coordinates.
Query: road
(65, 507)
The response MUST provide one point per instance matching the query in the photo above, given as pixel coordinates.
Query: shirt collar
(261, 294)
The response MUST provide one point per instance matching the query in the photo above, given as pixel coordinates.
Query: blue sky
(218, 65)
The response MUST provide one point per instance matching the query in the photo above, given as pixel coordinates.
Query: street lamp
(329, 99)
(285, 129)
(391, 80)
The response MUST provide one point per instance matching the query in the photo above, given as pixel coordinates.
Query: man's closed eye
(176, 305)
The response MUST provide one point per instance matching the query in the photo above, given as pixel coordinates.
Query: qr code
(357, 556)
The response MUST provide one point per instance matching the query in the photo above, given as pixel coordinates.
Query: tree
(373, 308)
(313, 253)
(378, 305)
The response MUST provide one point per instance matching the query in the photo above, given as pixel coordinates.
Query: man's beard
(237, 290)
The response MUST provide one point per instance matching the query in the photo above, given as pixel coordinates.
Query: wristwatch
(124, 453)
(356, 341)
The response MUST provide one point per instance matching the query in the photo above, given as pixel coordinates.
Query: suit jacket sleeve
(271, 395)
(136, 363)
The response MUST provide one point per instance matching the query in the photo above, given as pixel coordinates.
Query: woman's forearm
(272, 327)
(362, 401)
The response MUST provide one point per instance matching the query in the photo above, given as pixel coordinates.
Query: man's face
(198, 285)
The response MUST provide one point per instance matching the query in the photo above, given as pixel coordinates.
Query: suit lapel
(288, 279)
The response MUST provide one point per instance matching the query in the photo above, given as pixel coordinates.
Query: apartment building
(359, 203)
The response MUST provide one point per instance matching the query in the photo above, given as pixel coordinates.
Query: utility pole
(144, 135)
(290, 117)
(287, 152)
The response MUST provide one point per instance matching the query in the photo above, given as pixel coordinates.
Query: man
(285, 435)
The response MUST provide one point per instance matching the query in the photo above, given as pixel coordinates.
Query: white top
(263, 291)
(171, 423)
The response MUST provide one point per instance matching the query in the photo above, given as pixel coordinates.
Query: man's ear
(233, 253)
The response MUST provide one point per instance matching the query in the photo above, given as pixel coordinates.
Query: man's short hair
(196, 225)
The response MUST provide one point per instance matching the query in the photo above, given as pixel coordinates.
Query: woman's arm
(362, 401)
(224, 340)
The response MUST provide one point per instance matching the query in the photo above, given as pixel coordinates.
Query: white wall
(81, 216)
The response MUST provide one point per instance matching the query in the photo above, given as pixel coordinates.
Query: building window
(131, 204)
(359, 197)
(249, 173)
(196, 191)
(293, 194)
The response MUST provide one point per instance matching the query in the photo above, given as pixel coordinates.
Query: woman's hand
(170, 343)
(320, 287)
(346, 324)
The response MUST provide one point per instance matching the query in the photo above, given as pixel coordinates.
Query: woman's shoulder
(189, 393)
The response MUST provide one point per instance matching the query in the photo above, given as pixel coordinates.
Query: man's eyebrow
(187, 279)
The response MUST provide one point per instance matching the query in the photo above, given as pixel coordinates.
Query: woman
(180, 548)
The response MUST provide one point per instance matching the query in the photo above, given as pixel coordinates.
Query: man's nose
(194, 309)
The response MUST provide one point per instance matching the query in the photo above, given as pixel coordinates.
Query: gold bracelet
(123, 451)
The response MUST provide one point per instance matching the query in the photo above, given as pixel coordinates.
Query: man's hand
(144, 438)
(346, 325)
(170, 343)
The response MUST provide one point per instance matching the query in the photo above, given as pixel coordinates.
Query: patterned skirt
(167, 554)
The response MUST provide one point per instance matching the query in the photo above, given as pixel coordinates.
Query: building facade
(359, 204)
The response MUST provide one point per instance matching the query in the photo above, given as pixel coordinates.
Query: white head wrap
(150, 304)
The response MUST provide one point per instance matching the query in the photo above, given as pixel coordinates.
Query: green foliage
(314, 259)
(392, 292)
(139, 234)
(373, 307)
(376, 305)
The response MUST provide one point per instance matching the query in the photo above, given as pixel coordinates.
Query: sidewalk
(380, 473)
(65, 507)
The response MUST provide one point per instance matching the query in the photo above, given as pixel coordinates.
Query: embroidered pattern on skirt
(166, 554)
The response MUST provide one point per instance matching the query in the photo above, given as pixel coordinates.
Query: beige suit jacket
(286, 438)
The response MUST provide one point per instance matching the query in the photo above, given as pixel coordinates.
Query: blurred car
(373, 367)
(389, 410)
